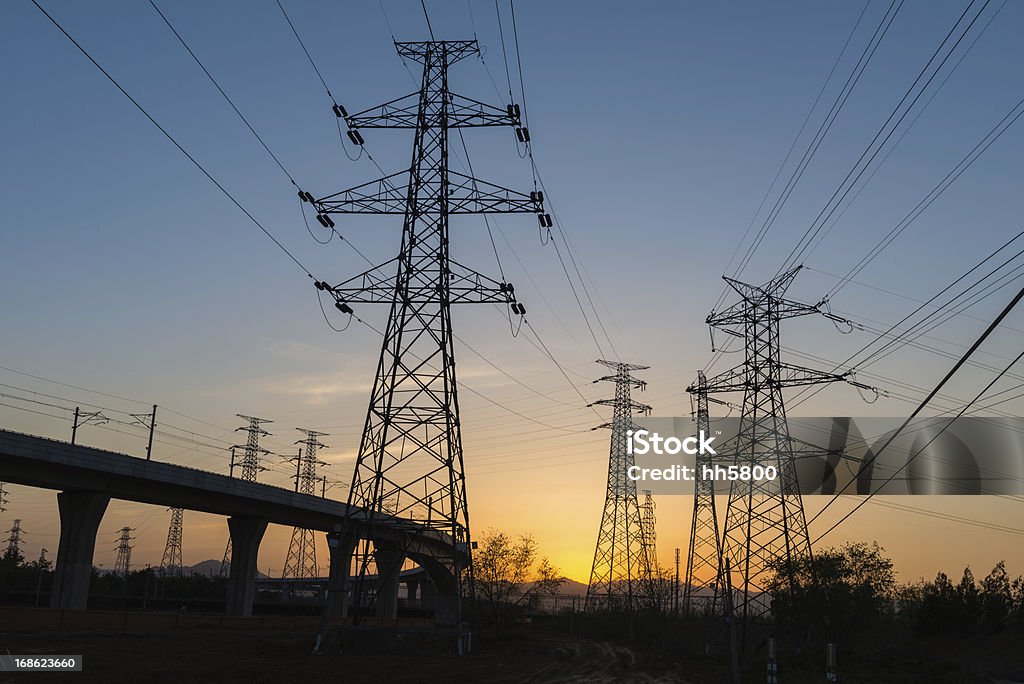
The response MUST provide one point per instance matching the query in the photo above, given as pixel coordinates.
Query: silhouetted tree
(996, 599)
(508, 574)
(844, 589)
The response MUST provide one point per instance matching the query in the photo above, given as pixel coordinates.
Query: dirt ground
(218, 654)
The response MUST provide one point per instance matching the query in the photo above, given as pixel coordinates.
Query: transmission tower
(765, 519)
(620, 575)
(123, 564)
(649, 537)
(301, 559)
(703, 559)
(171, 564)
(3, 498)
(253, 450)
(410, 459)
(225, 563)
(13, 540)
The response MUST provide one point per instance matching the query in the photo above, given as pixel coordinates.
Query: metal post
(152, 427)
(773, 663)
(675, 591)
(74, 426)
(734, 648)
(831, 670)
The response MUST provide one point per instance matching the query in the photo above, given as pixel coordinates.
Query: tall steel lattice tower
(410, 460)
(765, 519)
(619, 577)
(171, 563)
(3, 498)
(301, 559)
(123, 564)
(13, 540)
(703, 558)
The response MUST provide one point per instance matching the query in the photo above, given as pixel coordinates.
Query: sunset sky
(657, 129)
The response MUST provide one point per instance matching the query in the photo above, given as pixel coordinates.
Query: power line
(933, 194)
(949, 374)
(221, 91)
(427, 17)
(858, 169)
(174, 141)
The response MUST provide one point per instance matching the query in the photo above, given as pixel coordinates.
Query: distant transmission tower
(13, 540)
(171, 564)
(123, 564)
(649, 541)
(701, 584)
(253, 450)
(410, 459)
(3, 498)
(619, 577)
(301, 559)
(765, 519)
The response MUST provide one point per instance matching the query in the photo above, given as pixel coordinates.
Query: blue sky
(658, 127)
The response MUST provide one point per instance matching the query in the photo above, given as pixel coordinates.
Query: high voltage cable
(792, 147)
(934, 297)
(826, 125)
(823, 129)
(426, 16)
(947, 180)
(174, 141)
(830, 208)
(221, 91)
(916, 454)
(892, 148)
(949, 374)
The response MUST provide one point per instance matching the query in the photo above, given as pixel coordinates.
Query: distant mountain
(210, 568)
(570, 587)
(207, 567)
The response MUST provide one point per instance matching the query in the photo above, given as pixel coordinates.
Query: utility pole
(123, 564)
(703, 557)
(410, 458)
(171, 563)
(765, 519)
(13, 552)
(147, 420)
(675, 588)
(94, 417)
(301, 559)
(618, 577)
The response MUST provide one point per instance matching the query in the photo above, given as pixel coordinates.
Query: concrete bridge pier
(443, 590)
(80, 517)
(341, 546)
(246, 534)
(414, 593)
(389, 559)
